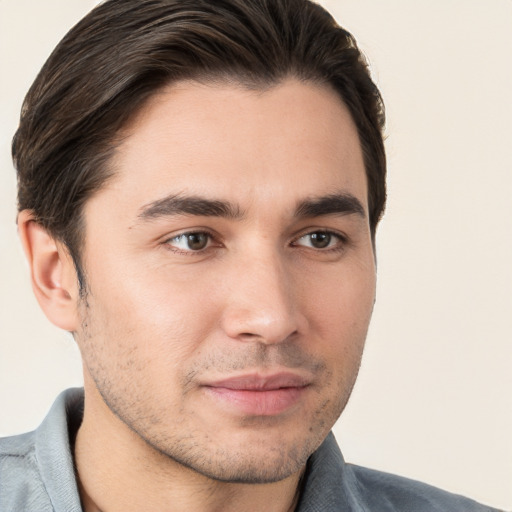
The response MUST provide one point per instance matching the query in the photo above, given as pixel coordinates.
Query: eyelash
(338, 247)
(190, 252)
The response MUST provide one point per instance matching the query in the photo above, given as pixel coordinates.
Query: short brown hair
(123, 51)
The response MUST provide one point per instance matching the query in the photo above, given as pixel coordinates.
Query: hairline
(208, 78)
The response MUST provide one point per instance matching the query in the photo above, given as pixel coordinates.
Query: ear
(52, 271)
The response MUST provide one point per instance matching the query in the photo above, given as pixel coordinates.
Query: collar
(328, 483)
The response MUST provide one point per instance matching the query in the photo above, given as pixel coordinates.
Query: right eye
(192, 241)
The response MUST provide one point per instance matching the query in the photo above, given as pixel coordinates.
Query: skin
(161, 320)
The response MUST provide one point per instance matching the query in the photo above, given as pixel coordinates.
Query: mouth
(258, 395)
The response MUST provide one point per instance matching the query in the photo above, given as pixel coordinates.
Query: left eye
(319, 240)
(196, 241)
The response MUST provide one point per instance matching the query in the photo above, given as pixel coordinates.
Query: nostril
(267, 338)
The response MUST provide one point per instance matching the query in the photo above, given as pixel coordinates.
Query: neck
(118, 471)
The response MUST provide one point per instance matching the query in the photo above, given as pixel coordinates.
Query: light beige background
(434, 397)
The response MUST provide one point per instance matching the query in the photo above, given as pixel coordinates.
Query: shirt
(37, 475)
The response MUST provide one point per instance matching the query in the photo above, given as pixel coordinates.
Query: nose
(261, 301)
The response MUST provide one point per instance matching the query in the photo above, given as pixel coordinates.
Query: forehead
(282, 143)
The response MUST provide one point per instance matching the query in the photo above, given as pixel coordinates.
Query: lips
(258, 395)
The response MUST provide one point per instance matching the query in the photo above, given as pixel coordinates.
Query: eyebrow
(189, 205)
(332, 204)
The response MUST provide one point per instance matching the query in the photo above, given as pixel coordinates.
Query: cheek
(341, 302)
(340, 315)
(160, 305)
(135, 330)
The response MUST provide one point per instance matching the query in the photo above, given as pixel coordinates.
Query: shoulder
(36, 469)
(21, 486)
(385, 491)
(331, 485)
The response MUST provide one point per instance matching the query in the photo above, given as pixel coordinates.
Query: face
(230, 276)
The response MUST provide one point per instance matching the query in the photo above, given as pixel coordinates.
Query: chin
(260, 459)
(256, 470)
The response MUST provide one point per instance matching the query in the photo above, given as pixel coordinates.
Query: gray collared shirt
(37, 475)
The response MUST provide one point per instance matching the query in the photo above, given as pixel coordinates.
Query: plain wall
(434, 396)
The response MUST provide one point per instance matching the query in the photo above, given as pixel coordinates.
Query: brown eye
(320, 240)
(193, 241)
(197, 241)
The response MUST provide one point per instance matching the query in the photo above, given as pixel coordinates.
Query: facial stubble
(254, 461)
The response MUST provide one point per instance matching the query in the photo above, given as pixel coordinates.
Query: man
(199, 189)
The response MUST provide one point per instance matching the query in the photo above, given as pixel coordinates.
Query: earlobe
(52, 273)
